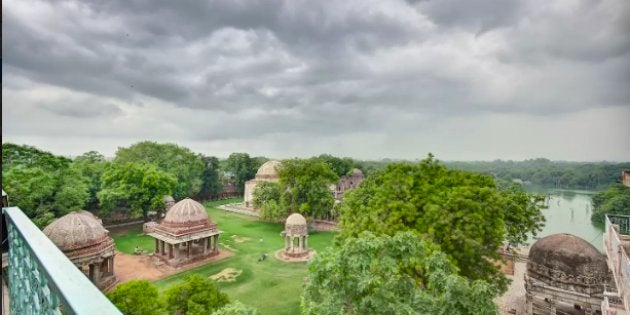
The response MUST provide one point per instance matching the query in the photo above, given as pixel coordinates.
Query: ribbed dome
(296, 219)
(268, 170)
(357, 172)
(186, 212)
(568, 254)
(75, 230)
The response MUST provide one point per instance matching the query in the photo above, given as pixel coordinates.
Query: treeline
(550, 174)
(133, 183)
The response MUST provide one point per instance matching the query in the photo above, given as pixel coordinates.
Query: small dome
(186, 212)
(75, 230)
(268, 170)
(569, 255)
(357, 172)
(168, 199)
(295, 225)
(295, 219)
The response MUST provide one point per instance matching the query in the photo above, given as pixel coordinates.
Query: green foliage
(549, 174)
(522, 214)
(236, 308)
(14, 155)
(305, 185)
(265, 192)
(341, 166)
(616, 199)
(91, 165)
(137, 297)
(72, 192)
(210, 178)
(31, 189)
(186, 166)
(462, 212)
(141, 187)
(195, 295)
(402, 274)
(243, 167)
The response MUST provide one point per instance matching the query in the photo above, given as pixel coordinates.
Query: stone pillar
(170, 251)
(97, 273)
(306, 242)
(292, 243)
(157, 246)
(286, 243)
(529, 304)
(177, 251)
(300, 244)
(208, 242)
(216, 243)
(188, 248)
(111, 264)
(91, 272)
(163, 247)
(204, 244)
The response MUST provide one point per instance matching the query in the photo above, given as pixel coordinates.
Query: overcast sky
(466, 80)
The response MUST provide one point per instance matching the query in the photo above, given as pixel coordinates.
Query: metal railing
(615, 241)
(42, 280)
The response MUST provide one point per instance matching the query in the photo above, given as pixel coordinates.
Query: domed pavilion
(565, 275)
(82, 238)
(186, 234)
(295, 239)
(268, 172)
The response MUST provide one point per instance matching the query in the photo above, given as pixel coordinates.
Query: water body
(570, 211)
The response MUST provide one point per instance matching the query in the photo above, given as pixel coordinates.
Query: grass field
(271, 286)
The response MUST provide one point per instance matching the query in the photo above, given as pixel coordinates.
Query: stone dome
(168, 199)
(269, 170)
(76, 230)
(295, 225)
(566, 258)
(357, 172)
(186, 212)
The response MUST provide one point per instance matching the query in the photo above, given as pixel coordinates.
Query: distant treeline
(550, 174)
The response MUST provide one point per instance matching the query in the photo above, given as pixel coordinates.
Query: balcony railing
(42, 280)
(616, 242)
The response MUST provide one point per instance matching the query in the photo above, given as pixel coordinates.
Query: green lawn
(273, 287)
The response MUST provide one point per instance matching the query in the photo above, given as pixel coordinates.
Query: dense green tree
(194, 296)
(27, 156)
(186, 166)
(401, 274)
(616, 199)
(265, 192)
(236, 308)
(137, 297)
(72, 192)
(305, 185)
(341, 166)
(464, 213)
(32, 189)
(242, 166)
(210, 178)
(140, 187)
(91, 165)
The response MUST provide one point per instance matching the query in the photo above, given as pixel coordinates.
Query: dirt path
(135, 267)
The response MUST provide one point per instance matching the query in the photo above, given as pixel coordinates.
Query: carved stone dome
(269, 170)
(77, 230)
(186, 212)
(296, 225)
(567, 259)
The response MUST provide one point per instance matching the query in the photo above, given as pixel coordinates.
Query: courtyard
(271, 286)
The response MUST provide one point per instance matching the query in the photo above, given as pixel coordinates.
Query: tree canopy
(27, 156)
(137, 297)
(186, 166)
(194, 296)
(243, 167)
(236, 308)
(399, 274)
(140, 187)
(614, 200)
(464, 213)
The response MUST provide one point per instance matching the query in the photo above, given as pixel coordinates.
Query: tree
(195, 295)
(464, 213)
(614, 200)
(141, 187)
(400, 274)
(242, 167)
(91, 165)
(210, 178)
(236, 308)
(72, 192)
(265, 192)
(341, 166)
(305, 185)
(137, 297)
(186, 166)
(27, 156)
(32, 189)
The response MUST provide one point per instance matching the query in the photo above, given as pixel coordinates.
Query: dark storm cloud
(249, 69)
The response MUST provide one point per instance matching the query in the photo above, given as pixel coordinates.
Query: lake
(570, 212)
